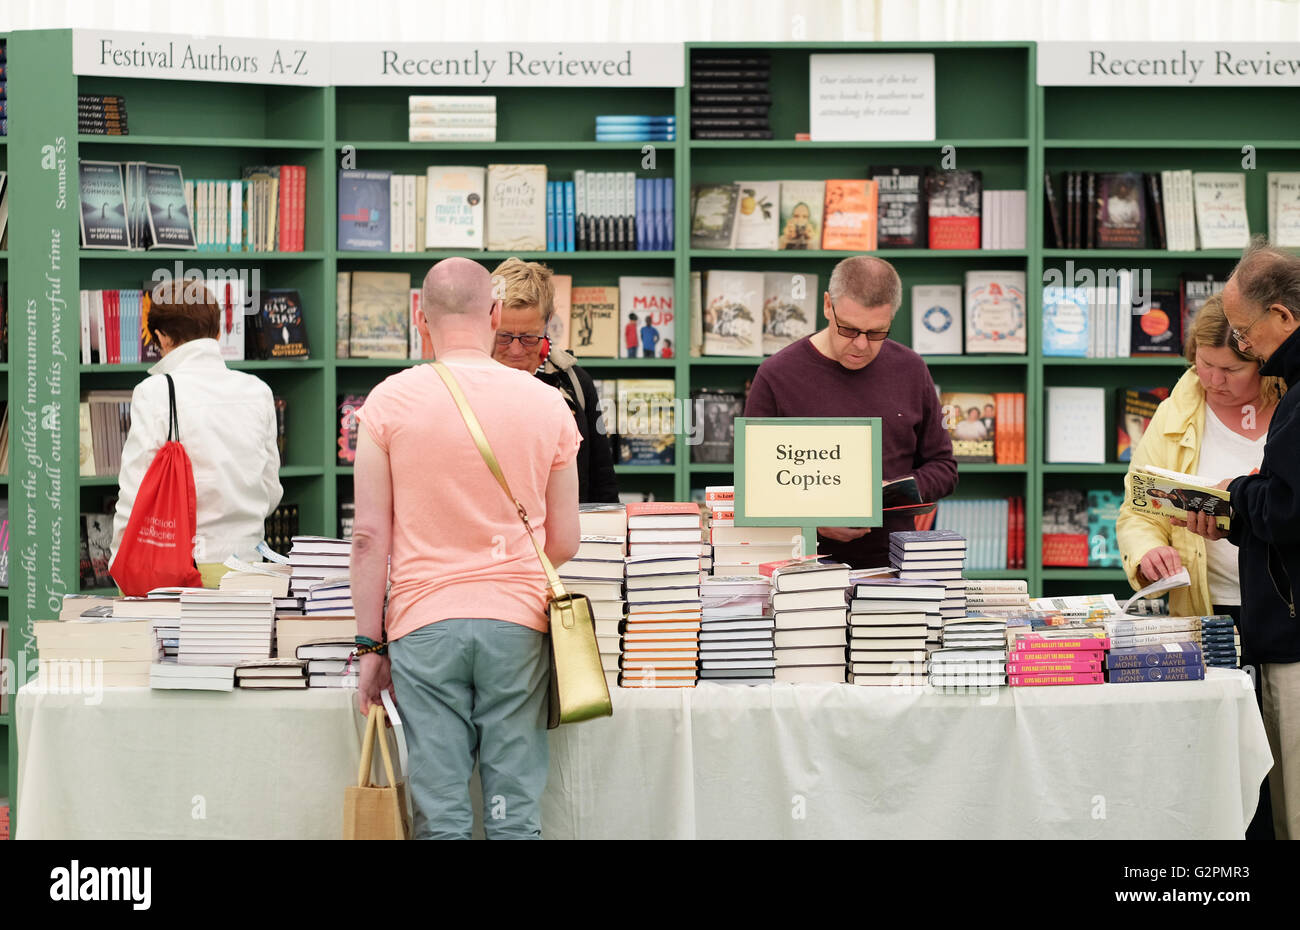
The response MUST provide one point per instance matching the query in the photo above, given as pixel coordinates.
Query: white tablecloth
(1167, 760)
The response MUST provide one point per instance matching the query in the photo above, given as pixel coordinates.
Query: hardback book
(971, 422)
(1166, 493)
(901, 222)
(757, 218)
(995, 311)
(1195, 290)
(1076, 425)
(1166, 654)
(849, 219)
(170, 225)
(1134, 409)
(1067, 315)
(733, 313)
(1221, 221)
(713, 215)
(103, 205)
(1157, 325)
(281, 332)
(557, 327)
(790, 305)
(1284, 209)
(364, 203)
(937, 319)
(1121, 210)
(593, 322)
(343, 313)
(715, 412)
(380, 314)
(1065, 528)
(516, 207)
(230, 295)
(1053, 207)
(1103, 511)
(801, 214)
(454, 211)
(809, 575)
(646, 422)
(953, 200)
(646, 317)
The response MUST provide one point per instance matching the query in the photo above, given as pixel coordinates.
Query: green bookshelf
(8, 734)
(988, 110)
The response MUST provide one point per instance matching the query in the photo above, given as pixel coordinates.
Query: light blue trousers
(467, 688)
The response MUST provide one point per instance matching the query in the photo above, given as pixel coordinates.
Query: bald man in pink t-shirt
(466, 616)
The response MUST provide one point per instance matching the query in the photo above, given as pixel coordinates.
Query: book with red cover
(1036, 642)
(1037, 681)
(953, 199)
(850, 217)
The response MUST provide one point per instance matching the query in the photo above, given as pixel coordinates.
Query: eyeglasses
(1241, 335)
(848, 332)
(527, 340)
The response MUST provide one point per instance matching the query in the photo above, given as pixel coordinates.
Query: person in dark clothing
(850, 369)
(1262, 302)
(528, 303)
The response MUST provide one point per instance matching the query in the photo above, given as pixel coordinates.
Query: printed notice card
(872, 97)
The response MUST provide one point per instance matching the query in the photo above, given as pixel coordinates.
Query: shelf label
(873, 97)
(505, 64)
(808, 472)
(1169, 64)
(199, 58)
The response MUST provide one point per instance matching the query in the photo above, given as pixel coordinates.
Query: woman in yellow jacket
(1214, 424)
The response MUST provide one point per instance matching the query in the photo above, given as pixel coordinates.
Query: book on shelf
(995, 312)
(97, 114)
(646, 421)
(790, 308)
(1134, 408)
(1157, 328)
(757, 216)
(937, 326)
(971, 422)
(594, 322)
(104, 425)
(1283, 209)
(714, 412)
(994, 530)
(279, 330)
(713, 215)
(850, 215)
(1194, 291)
(1121, 210)
(801, 214)
(380, 314)
(646, 316)
(1221, 220)
(451, 103)
(1066, 321)
(1065, 528)
(1166, 493)
(730, 96)
(516, 207)
(1002, 219)
(901, 204)
(103, 205)
(348, 406)
(953, 201)
(363, 211)
(1103, 511)
(1076, 425)
(733, 313)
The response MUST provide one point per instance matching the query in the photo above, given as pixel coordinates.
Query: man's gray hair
(1267, 275)
(456, 286)
(867, 280)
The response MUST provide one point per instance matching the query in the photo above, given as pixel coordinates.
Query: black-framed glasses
(527, 340)
(848, 332)
(1242, 335)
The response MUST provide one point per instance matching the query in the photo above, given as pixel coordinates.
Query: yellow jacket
(1173, 440)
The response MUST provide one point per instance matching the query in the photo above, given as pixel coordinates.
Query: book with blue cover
(1189, 672)
(170, 226)
(103, 205)
(1163, 654)
(569, 216)
(1065, 322)
(364, 198)
(550, 216)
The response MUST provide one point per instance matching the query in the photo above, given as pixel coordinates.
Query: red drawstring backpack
(158, 547)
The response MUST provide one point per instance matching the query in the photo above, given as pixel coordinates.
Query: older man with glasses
(1262, 303)
(853, 369)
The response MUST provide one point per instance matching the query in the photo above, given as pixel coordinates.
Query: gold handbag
(578, 690)
(371, 812)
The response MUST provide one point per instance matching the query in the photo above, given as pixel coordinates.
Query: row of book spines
(1005, 543)
(1078, 229)
(112, 330)
(618, 211)
(102, 426)
(260, 213)
(1009, 444)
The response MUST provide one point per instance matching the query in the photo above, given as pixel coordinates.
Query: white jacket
(227, 425)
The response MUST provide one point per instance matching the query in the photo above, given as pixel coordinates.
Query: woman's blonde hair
(518, 283)
(1211, 330)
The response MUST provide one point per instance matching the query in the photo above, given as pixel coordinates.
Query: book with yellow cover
(1167, 493)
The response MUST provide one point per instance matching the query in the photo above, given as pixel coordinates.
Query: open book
(1179, 579)
(1166, 493)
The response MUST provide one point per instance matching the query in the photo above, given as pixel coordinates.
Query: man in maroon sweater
(850, 369)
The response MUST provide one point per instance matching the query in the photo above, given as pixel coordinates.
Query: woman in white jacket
(227, 425)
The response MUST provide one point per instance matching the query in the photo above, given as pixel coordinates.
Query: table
(1169, 760)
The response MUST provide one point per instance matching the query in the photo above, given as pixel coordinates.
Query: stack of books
(661, 634)
(330, 665)
(889, 625)
(631, 128)
(81, 653)
(312, 559)
(162, 609)
(272, 577)
(743, 550)
(720, 504)
(730, 96)
(933, 555)
(974, 655)
(809, 613)
(331, 596)
(225, 627)
(736, 630)
(1002, 596)
(1152, 631)
(99, 114)
(1070, 656)
(1168, 662)
(292, 632)
(598, 570)
(1220, 642)
(452, 118)
(168, 676)
(272, 674)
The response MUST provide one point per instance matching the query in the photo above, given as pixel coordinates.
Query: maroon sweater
(801, 382)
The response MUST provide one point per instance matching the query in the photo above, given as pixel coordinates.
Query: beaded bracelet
(380, 648)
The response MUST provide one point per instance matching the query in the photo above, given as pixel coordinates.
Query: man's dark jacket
(1266, 526)
(596, 481)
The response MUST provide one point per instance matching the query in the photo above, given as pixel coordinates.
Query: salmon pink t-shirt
(459, 548)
